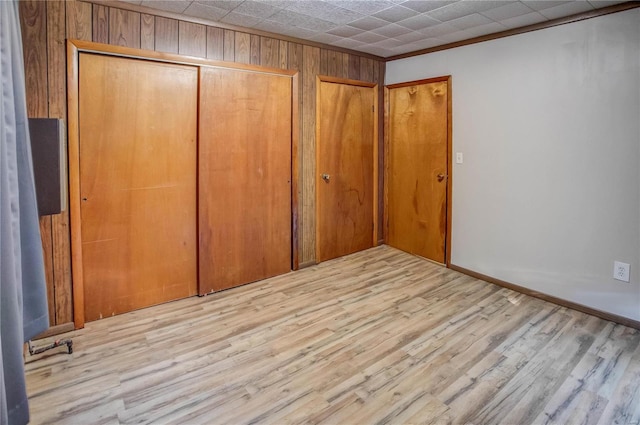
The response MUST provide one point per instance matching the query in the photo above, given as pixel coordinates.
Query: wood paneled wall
(46, 25)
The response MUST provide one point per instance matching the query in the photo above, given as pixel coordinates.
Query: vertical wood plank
(215, 43)
(381, 159)
(324, 62)
(61, 247)
(345, 65)
(33, 19)
(100, 23)
(366, 69)
(311, 68)
(242, 47)
(294, 61)
(255, 49)
(295, 56)
(229, 50)
(192, 39)
(124, 28)
(354, 67)
(269, 52)
(166, 35)
(147, 32)
(79, 20)
(33, 15)
(334, 63)
(284, 52)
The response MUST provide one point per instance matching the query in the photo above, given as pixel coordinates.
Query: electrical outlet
(621, 271)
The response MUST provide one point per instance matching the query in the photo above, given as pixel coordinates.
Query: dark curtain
(23, 302)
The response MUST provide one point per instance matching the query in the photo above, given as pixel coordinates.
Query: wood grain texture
(124, 28)
(244, 174)
(163, 32)
(242, 47)
(137, 183)
(255, 49)
(379, 336)
(215, 43)
(418, 145)
(269, 52)
(166, 39)
(346, 124)
(79, 20)
(354, 67)
(60, 239)
(311, 68)
(100, 24)
(283, 57)
(192, 39)
(147, 32)
(229, 53)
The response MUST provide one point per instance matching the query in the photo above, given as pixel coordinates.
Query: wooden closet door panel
(244, 177)
(345, 153)
(138, 122)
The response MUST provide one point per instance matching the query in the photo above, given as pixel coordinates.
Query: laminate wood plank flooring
(376, 337)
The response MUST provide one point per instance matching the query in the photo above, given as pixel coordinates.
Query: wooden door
(244, 177)
(346, 149)
(417, 161)
(137, 138)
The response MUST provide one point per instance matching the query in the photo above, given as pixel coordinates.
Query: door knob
(441, 177)
(326, 177)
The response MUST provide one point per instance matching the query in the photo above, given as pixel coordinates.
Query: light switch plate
(459, 158)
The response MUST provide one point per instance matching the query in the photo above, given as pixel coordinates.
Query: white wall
(549, 124)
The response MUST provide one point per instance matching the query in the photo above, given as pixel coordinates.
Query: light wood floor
(376, 337)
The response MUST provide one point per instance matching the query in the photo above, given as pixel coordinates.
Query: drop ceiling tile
(311, 7)
(422, 6)
(411, 37)
(368, 37)
(340, 16)
(367, 7)
(257, 9)
(566, 9)
(348, 43)
(275, 27)
(395, 14)
(419, 22)
(288, 17)
(368, 23)
(542, 4)
(325, 38)
(524, 20)
(453, 37)
(222, 4)
(199, 10)
(391, 30)
(241, 20)
(491, 28)
(507, 11)
(470, 21)
(389, 43)
(603, 3)
(462, 8)
(438, 30)
(296, 32)
(345, 31)
(378, 51)
(177, 6)
(426, 43)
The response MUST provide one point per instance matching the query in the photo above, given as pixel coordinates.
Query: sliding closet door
(137, 128)
(244, 177)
